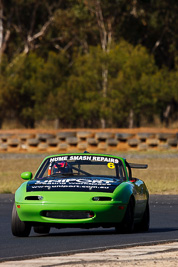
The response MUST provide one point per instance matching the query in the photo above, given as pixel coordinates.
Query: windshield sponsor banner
(73, 184)
(84, 158)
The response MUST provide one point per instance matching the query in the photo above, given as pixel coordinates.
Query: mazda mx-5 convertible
(81, 190)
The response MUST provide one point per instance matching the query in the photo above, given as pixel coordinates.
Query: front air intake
(68, 214)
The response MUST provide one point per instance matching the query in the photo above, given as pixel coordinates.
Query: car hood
(89, 184)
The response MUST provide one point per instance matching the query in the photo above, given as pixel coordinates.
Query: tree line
(88, 63)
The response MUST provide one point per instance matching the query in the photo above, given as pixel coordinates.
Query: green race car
(81, 190)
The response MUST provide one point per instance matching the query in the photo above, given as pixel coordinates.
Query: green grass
(161, 177)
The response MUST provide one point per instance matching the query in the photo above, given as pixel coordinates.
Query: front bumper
(101, 213)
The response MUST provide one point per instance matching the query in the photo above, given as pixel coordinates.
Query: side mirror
(26, 175)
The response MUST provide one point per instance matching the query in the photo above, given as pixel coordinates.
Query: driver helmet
(61, 167)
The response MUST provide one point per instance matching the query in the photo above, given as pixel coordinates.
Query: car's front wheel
(127, 224)
(19, 228)
(143, 226)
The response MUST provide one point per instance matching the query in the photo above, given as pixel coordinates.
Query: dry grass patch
(161, 177)
(10, 170)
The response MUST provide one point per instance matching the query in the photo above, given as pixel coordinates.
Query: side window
(129, 171)
(43, 170)
(121, 172)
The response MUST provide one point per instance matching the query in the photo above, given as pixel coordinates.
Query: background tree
(21, 87)
(153, 24)
(88, 63)
(49, 78)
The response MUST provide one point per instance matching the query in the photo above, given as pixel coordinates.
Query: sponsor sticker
(86, 157)
(71, 184)
(111, 165)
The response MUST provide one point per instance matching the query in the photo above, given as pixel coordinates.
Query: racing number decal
(111, 165)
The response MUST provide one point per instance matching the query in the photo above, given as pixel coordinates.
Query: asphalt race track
(163, 227)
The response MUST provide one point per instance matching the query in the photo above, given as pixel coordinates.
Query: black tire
(127, 225)
(42, 229)
(144, 225)
(19, 228)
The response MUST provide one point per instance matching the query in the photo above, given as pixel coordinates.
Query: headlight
(33, 198)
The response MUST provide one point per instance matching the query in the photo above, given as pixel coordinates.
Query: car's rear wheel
(144, 225)
(42, 229)
(19, 228)
(127, 224)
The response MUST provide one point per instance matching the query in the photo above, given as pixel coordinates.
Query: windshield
(81, 166)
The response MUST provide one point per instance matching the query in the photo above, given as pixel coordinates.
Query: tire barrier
(91, 140)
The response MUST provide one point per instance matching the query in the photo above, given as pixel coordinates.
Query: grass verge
(161, 177)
